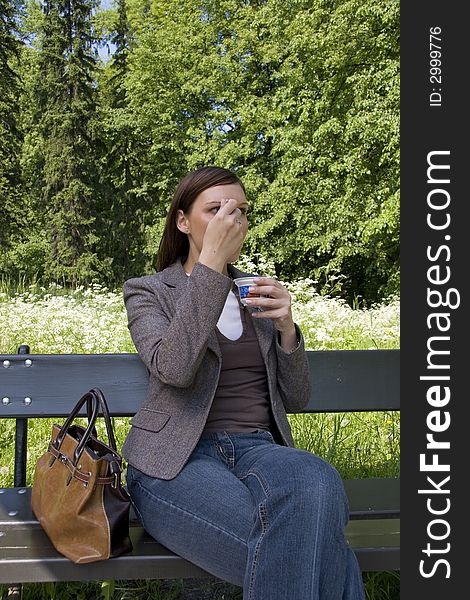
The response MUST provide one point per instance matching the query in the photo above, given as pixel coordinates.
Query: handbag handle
(89, 412)
(96, 403)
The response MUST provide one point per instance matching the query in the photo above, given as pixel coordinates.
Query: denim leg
(257, 514)
(297, 547)
(205, 514)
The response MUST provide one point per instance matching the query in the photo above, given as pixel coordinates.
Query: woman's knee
(315, 484)
(304, 468)
(319, 470)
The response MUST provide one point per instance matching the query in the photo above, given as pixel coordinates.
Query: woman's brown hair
(174, 243)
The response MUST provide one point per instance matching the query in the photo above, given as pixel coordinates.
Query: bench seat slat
(368, 498)
(27, 555)
(375, 497)
(20, 540)
(39, 562)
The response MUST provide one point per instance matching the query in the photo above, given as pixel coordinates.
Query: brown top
(241, 401)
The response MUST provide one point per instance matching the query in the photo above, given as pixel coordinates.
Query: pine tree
(10, 135)
(67, 178)
(124, 208)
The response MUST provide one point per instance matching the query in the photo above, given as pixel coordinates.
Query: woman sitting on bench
(213, 472)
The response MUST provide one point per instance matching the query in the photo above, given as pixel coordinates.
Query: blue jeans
(257, 514)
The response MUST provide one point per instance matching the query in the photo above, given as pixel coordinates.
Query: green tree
(125, 205)
(66, 185)
(301, 98)
(10, 134)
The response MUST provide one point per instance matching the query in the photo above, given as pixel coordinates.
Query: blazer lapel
(176, 277)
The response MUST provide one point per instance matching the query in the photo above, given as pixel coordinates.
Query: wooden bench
(38, 386)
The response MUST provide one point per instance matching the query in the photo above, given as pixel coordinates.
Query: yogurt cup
(244, 284)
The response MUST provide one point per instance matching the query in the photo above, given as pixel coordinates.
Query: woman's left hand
(275, 302)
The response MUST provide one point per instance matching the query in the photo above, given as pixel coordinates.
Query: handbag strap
(96, 403)
(89, 411)
(107, 418)
(81, 475)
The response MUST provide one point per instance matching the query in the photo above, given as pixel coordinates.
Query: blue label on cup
(244, 291)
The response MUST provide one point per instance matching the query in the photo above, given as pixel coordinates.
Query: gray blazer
(172, 320)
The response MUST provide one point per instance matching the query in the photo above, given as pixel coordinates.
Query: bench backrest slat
(341, 380)
(354, 380)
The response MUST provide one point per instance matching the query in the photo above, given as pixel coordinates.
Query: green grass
(135, 590)
(357, 444)
(378, 586)
(58, 320)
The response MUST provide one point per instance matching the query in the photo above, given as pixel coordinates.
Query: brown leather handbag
(77, 494)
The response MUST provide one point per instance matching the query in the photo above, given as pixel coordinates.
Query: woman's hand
(276, 302)
(224, 235)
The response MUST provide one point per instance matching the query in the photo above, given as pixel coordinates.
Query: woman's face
(204, 208)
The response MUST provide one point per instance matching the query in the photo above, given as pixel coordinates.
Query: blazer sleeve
(172, 345)
(293, 375)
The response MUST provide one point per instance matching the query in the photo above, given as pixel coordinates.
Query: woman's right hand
(224, 235)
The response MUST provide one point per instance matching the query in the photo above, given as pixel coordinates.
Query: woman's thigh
(205, 514)
(291, 478)
(271, 468)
